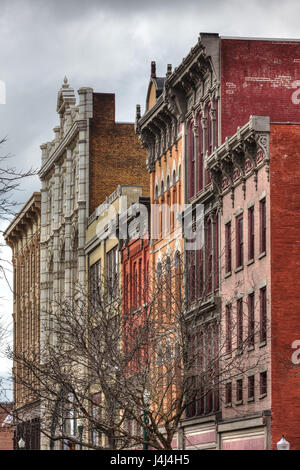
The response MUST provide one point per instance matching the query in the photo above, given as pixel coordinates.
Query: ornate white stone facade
(65, 188)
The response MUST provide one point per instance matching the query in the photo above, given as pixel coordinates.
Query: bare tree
(113, 376)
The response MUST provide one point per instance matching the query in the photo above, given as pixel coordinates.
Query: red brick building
(6, 429)
(241, 170)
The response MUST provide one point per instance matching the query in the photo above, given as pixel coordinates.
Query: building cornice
(240, 157)
(30, 211)
(79, 125)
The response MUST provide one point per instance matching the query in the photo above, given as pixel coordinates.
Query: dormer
(155, 88)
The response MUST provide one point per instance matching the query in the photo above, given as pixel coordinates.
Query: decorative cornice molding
(79, 125)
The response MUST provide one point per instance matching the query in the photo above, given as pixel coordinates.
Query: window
(209, 256)
(200, 154)
(191, 275)
(112, 274)
(240, 324)
(228, 329)
(208, 141)
(250, 233)
(263, 383)
(262, 210)
(239, 241)
(263, 315)
(228, 247)
(239, 390)
(251, 385)
(251, 320)
(191, 161)
(95, 284)
(228, 393)
(140, 285)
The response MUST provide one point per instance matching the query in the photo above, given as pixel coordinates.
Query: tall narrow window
(208, 141)
(200, 273)
(263, 315)
(250, 233)
(228, 329)
(228, 247)
(239, 241)
(191, 274)
(263, 383)
(228, 394)
(216, 254)
(140, 284)
(239, 390)
(112, 273)
(251, 320)
(191, 160)
(251, 387)
(209, 256)
(240, 324)
(262, 209)
(200, 154)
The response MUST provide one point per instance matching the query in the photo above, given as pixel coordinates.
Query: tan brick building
(23, 236)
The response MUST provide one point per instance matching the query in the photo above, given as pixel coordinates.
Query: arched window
(191, 161)
(178, 274)
(174, 178)
(208, 140)
(200, 153)
(162, 188)
(174, 201)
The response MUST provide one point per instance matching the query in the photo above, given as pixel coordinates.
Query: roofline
(260, 39)
(35, 197)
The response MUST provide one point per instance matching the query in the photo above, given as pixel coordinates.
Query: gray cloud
(108, 45)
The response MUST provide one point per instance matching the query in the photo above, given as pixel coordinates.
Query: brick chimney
(153, 69)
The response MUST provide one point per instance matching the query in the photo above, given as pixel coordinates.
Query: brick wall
(285, 275)
(116, 156)
(257, 79)
(6, 432)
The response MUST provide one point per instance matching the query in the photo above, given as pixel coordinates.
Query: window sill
(251, 261)
(240, 268)
(227, 275)
(251, 348)
(228, 355)
(262, 255)
(239, 402)
(228, 405)
(263, 395)
(262, 344)
(250, 400)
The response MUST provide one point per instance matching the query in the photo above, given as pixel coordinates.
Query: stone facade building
(89, 155)
(23, 236)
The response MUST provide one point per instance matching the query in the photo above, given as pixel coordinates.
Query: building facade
(106, 233)
(195, 109)
(88, 156)
(23, 236)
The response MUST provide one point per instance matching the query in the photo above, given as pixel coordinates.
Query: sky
(107, 45)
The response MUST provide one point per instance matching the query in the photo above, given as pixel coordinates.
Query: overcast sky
(107, 45)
